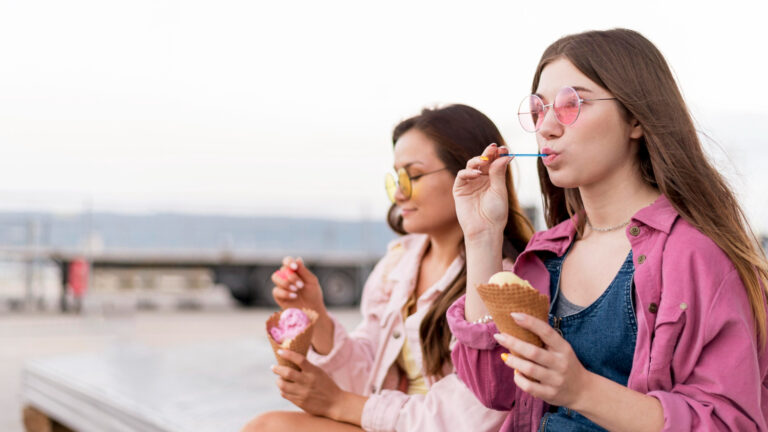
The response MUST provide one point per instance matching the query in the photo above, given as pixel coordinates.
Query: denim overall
(602, 335)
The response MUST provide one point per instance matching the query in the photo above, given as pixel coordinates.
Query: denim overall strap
(602, 335)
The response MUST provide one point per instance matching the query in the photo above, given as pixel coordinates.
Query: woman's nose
(550, 127)
(399, 195)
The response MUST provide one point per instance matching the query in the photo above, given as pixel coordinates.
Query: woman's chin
(409, 226)
(561, 180)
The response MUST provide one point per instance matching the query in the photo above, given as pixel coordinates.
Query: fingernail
(504, 357)
(292, 295)
(516, 371)
(294, 266)
(293, 288)
(477, 171)
(281, 274)
(517, 316)
(494, 144)
(504, 150)
(485, 158)
(498, 337)
(279, 352)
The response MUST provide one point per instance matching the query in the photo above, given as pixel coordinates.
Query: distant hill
(193, 232)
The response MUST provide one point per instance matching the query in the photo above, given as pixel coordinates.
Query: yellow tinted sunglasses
(401, 179)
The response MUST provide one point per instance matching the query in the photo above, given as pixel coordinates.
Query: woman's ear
(636, 129)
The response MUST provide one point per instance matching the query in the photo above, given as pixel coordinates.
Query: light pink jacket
(363, 361)
(696, 349)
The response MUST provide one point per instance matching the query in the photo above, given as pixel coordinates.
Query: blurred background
(160, 157)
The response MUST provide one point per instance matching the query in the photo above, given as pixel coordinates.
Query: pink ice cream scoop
(292, 322)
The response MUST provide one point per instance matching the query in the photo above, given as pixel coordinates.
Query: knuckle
(537, 355)
(558, 381)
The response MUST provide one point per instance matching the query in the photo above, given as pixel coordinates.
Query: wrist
(586, 390)
(347, 408)
(487, 237)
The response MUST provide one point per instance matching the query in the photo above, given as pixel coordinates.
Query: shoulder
(557, 234)
(687, 247)
(697, 268)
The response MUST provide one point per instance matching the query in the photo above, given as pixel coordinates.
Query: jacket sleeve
(350, 360)
(477, 360)
(449, 405)
(723, 388)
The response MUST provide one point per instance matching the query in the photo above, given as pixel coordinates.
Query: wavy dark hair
(670, 154)
(459, 133)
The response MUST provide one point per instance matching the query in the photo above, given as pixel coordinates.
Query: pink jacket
(696, 346)
(363, 362)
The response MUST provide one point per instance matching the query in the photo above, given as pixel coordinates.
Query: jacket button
(653, 308)
(634, 231)
(396, 334)
(641, 259)
(683, 306)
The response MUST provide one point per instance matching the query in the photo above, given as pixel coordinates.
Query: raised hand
(480, 193)
(296, 286)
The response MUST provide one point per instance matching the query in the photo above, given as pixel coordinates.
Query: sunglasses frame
(546, 107)
(396, 177)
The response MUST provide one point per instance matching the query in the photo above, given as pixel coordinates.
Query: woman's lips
(549, 159)
(551, 156)
(406, 212)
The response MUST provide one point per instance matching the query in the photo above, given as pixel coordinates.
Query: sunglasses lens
(531, 113)
(567, 106)
(391, 185)
(405, 182)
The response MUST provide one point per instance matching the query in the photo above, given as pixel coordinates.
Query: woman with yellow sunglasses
(394, 371)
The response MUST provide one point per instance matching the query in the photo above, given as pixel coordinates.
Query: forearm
(616, 407)
(349, 408)
(483, 261)
(322, 336)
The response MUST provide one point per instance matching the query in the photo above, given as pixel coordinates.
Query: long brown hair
(459, 133)
(670, 154)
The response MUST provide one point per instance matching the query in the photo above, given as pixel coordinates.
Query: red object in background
(78, 277)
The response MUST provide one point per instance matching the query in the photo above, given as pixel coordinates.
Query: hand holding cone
(505, 293)
(297, 343)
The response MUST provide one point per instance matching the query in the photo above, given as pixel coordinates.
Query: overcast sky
(249, 107)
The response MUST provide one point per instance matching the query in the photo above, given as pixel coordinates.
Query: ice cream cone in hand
(505, 293)
(291, 329)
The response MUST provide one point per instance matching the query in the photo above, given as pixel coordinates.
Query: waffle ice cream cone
(299, 343)
(512, 294)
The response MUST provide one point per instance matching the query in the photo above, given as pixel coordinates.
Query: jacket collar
(407, 269)
(660, 216)
(413, 247)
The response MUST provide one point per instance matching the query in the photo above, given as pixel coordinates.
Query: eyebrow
(410, 163)
(581, 89)
(577, 88)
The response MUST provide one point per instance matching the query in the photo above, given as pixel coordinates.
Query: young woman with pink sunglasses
(394, 371)
(656, 281)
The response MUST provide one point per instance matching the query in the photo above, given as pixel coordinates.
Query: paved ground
(28, 335)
